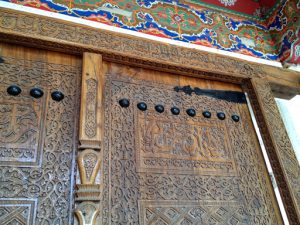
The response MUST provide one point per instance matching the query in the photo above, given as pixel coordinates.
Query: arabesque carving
(90, 117)
(205, 144)
(282, 156)
(21, 130)
(132, 196)
(37, 142)
(91, 108)
(130, 50)
(88, 187)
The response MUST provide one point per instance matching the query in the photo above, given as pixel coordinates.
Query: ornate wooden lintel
(53, 34)
(280, 151)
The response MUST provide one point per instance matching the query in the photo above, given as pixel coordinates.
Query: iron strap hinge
(230, 96)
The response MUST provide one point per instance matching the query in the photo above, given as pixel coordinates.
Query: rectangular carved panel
(189, 213)
(21, 134)
(21, 211)
(91, 98)
(37, 136)
(162, 146)
(161, 168)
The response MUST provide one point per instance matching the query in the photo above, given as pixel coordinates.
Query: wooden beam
(53, 34)
(91, 101)
(89, 161)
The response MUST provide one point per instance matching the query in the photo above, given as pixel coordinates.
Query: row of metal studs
(15, 90)
(176, 111)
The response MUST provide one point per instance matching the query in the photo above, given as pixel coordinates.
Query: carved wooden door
(37, 136)
(163, 167)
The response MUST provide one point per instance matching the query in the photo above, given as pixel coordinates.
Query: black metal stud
(14, 90)
(159, 108)
(124, 102)
(221, 115)
(36, 92)
(142, 106)
(57, 96)
(1, 60)
(175, 110)
(191, 112)
(235, 118)
(206, 114)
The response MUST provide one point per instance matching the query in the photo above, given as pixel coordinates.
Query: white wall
(290, 111)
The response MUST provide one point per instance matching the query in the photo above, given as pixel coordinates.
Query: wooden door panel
(161, 168)
(37, 136)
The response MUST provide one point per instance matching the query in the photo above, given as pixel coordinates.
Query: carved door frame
(52, 34)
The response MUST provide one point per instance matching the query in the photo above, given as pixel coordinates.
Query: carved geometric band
(87, 192)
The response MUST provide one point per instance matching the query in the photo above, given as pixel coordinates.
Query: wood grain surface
(38, 136)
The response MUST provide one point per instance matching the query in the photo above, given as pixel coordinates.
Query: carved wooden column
(278, 145)
(90, 136)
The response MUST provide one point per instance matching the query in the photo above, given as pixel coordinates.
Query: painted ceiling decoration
(255, 9)
(265, 29)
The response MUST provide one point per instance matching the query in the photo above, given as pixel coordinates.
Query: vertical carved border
(278, 146)
(91, 98)
(88, 187)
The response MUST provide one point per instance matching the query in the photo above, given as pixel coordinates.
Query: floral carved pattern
(282, 157)
(48, 182)
(134, 51)
(90, 162)
(20, 123)
(91, 108)
(134, 196)
(21, 118)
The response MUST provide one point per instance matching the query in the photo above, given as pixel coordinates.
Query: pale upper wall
(290, 110)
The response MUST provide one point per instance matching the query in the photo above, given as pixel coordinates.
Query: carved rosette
(88, 188)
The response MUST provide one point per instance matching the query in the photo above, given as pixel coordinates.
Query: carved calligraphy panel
(161, 168)
(203, 148)
(37, 137)
(21, 132)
